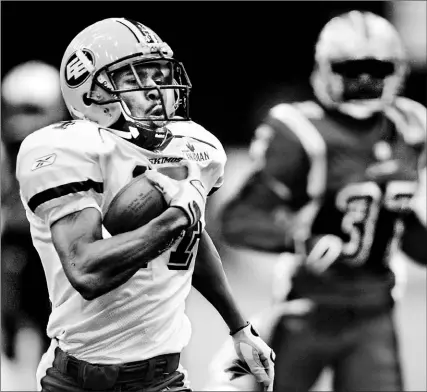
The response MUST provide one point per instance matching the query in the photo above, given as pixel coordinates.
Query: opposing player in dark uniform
(334, 182)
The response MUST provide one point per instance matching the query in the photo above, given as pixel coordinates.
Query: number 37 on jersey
(361, 205)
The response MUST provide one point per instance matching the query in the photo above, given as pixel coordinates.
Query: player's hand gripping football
(258, 356)
(189, 194)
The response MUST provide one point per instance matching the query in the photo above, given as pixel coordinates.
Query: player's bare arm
(210, 280)
(95, 266)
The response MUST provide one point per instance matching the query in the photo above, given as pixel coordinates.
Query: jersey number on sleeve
(181, 258)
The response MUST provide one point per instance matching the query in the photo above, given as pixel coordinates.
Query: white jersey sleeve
(58, 170)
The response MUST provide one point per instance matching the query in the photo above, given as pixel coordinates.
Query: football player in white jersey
(118, 302)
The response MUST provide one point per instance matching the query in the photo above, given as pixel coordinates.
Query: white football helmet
(109, 46)
(360, 64)
(31, 99)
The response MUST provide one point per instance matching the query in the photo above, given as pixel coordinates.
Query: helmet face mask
(360, 64)
(171, 88)
(363, 79)
(120, 69)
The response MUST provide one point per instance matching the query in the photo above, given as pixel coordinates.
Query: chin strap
(150, 139)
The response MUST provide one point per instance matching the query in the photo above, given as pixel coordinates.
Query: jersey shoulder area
(409, 117)
(195, 131)
(291, 112)
(295, 120)
(62, 153)
(58, 170)
(79, 135)
(293, 124)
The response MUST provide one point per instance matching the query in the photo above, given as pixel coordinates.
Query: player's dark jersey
(329, 185)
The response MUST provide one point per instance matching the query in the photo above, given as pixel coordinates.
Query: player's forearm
(210, 280)
(108, 263)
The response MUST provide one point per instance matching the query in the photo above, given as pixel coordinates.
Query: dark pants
(69, 374)
(361, 351)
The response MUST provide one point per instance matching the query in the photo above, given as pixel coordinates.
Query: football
(138, 202)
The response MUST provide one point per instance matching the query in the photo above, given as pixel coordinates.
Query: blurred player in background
(6, 183)
(118, 302)
(334, 183)
(31, 99)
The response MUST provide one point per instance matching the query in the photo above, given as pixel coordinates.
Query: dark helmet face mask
(364, 78)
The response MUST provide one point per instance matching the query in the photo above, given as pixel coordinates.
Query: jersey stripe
(360, 23)
(132, 30)
(194, 138)
(62, 190)
(313, 143)
(141, 34)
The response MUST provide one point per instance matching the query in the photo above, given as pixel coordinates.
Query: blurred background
(242, 58)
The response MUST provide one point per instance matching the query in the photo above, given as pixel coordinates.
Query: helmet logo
(76, 72)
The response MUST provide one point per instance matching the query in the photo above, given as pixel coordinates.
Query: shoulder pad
(409, 118)
(195, 131)
(311, 140)
(301, 126)
(310, 109)
(73, 134)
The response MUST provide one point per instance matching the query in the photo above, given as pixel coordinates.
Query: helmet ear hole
(86, 100)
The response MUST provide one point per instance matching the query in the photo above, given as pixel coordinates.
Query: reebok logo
(43, 161)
